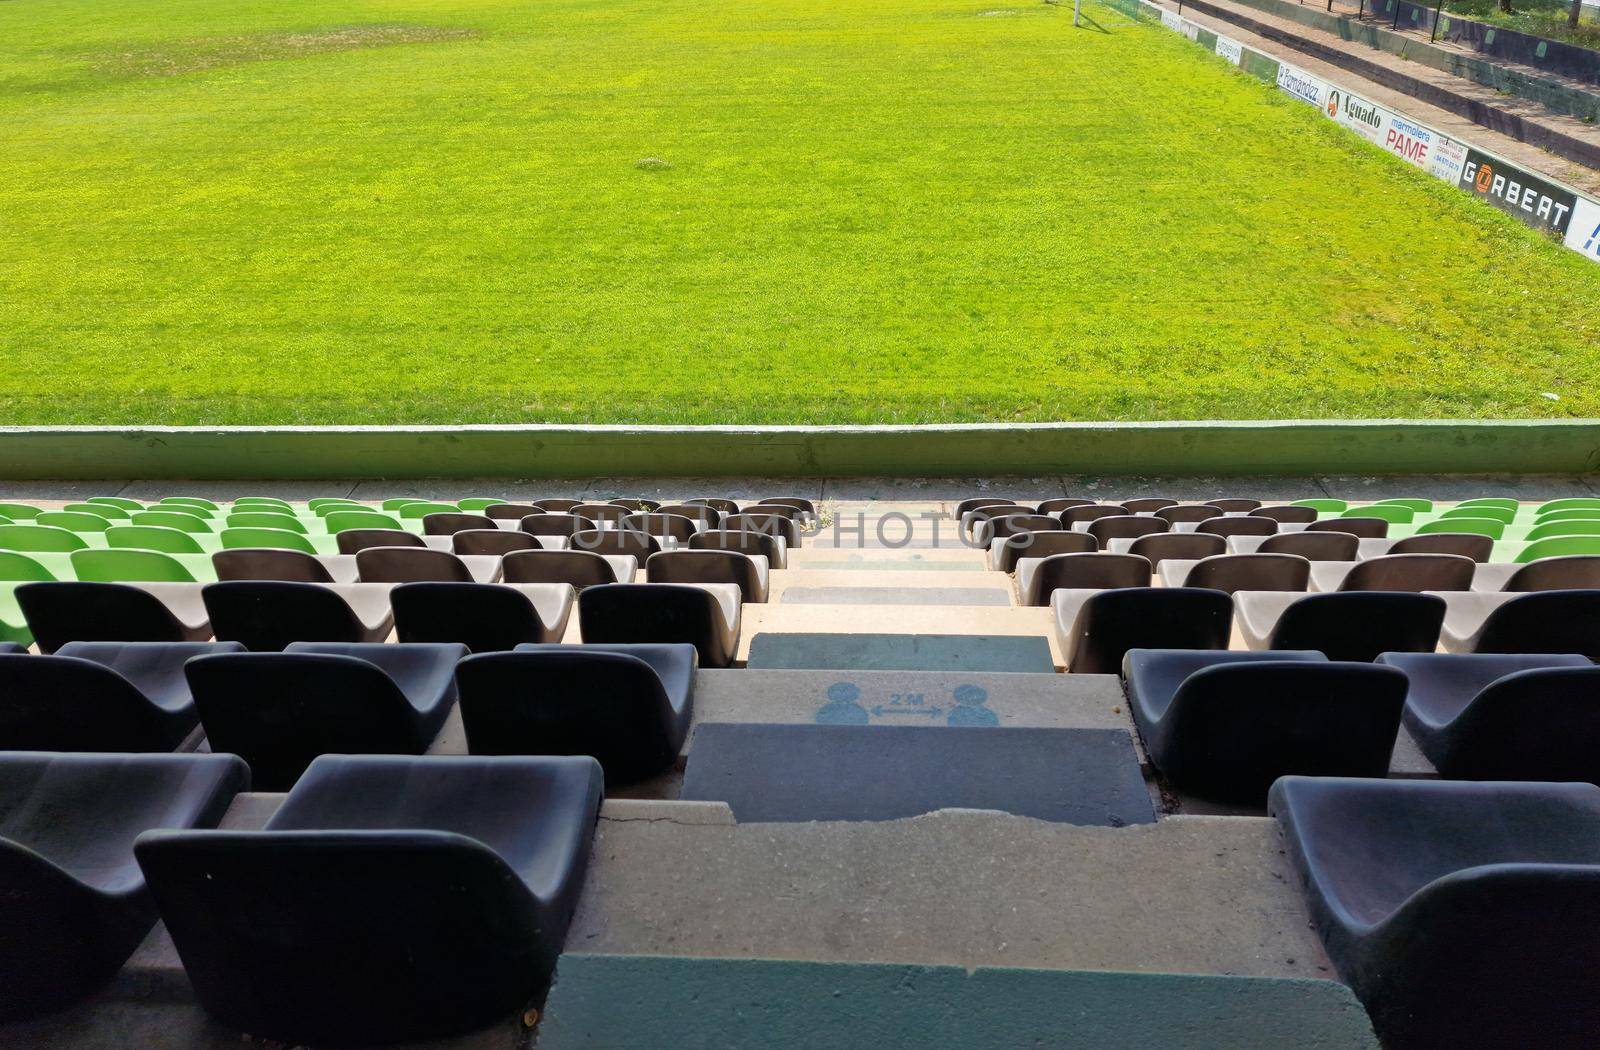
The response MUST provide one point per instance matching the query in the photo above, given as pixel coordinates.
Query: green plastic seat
(21, 568)
(1501, 514)
(264, 520)
(190, 501)
(120, 502)
(104, 510)
(477, 504)
(39, 538)
(1567, 527)
(263, 501)
(172, 519)
(1323, 506)
(1490, 527)
(340, 521)
(1390, 512)
(152, 538)
(73, 521)
(316, 504)
(278, 539)
(1421, 506)
(1570, 514)
(396, 502)
(13, 625)
(129, 566)
(414, 511)
(1559, 547)
(1501, 502)
(1570, 503)
(5, 521)
(19, 511)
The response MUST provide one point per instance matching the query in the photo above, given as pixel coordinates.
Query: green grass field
(744, 211)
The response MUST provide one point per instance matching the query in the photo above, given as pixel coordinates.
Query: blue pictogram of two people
(844, 707)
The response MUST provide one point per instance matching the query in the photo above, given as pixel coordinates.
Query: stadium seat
(73, 521)
(708, 517)
(278, 711)
(805, 506)
(19, 511)
(554, 524)
(1325, 506)
(1463, 526)
(1247, 572)
(1403, 572)
(1495, 502)
(153, 538)
(387, 900)
(635, 504)
(1187, 513)
(599, 513)
(129, 566)
(267, 615)
(1091, 512)
(705, 616)
(1001, 526)
(1561, 573)
(578, 568)
(58, 613)
(1542, 531)
(674, 526)
(1504, 717)
(440, 523)
(1238, 525)
(1143, 505)
(354, 541)
(270, 564)
(75, 904)
(414, 565)
(767, 521)
(13, 648)
(16, 566)
(1504, 516)
(1231, 505)
(1291, 514)
(276, 539)
(1554, 547)
(181, 520)
(1038, 578)
(485, 617)
(264, 502)
(1462, 914)
(340, 521)
(190, 504)
(1096, 629)
(716, 503)
(1571, 503)
(252, 519)
(1125, 527)
(325, 505)
(1313, 546)
(1004, 554)
(967, 506)
(1564, 621)
(509, 511)
(1411, 503)
(419, 509)
(771, 548)
(1344, 626)
(119, 502)
(100, 696)
(976, 523)
(748, 573)
(627, 705)
(39, 539)
(1465, 545)
(1225, 725)
(625, 542)
(494, 542)
(557, 506)
(1392, 513)
(1184, 546)
(1053, 507)
(1570, 514)
(478, 504)
(1366, 528)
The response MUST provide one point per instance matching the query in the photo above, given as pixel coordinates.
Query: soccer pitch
(727, 211)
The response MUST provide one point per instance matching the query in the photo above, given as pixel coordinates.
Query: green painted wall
(1221, 448)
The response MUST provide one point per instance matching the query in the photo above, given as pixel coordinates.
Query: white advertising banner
(1172, 21)
(1302, 86)
(1583, 231)
(1231, 50)
(1447, 158)
(1367, 119)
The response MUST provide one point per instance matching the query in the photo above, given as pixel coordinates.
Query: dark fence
(1570, 60)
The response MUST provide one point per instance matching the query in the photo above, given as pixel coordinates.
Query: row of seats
(388, 898)
(1226, 725)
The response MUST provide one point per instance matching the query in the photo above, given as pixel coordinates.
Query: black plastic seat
(1464, 544)
(673, 526)
(1225, 725)
(1244, 525)
(1001, 526)
(1004, 554)
(278, 711)
(771, 548)
(509, 511)
(1097, 633)
(706, 617)
(708, 517)
(1126, 527)
(1537, 622)
(445, 524)
(1038, 580)
(701, 566)
(411, 565)
(557, 506)
(554, 524)
(498, 542)
(1148, 504)
(387, 900)
(1359, 625)
(618, 542)
(627, 705)
(100, 696)
(1286, 513)
(1462, 914)
(62, 612)
(354, 541)
(1182, 546)
(1053, 507)
(1411, 572)
(767, 521)
(577, 568)
(602, 512)
(799, 503)
(1504, 717)
(716, 503)
(1362, 528)
(635, 504)
(12, 647)
(269, 615)
(978, 522)
(485, 617)
(1313, 546)
(266, 563)
(967, 506)
(1562, 573)
(1251, 572)
(74, 904)
(1088, 512)
(1234, 505)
